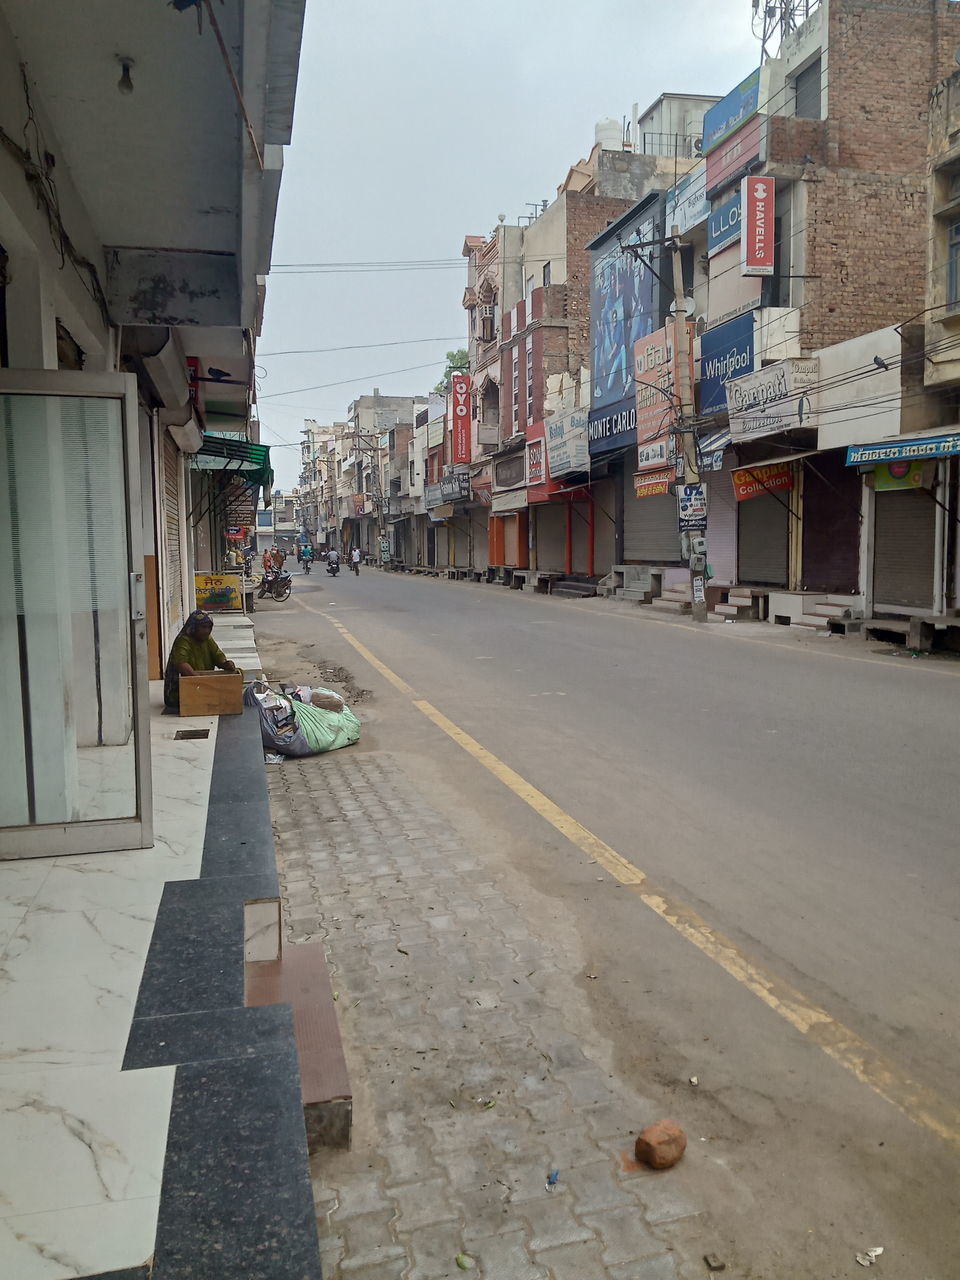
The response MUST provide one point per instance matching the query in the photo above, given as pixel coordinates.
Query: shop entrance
(73, 702)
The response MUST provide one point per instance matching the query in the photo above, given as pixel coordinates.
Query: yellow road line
(918, 1103)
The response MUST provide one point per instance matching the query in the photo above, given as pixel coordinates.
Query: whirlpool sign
(725, 352)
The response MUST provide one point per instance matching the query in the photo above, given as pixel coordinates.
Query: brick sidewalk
(450, 1000)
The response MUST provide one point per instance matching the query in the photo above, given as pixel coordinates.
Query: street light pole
(691, 469)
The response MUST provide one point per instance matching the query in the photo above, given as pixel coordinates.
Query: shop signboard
(455, 487)
(751, 482)
(511, 471)
(432, 496)
(726, 352)
(626, 301)
(687, 204)
(741, 152)
(692, 506)
(898, 475)
(435, 432)
(656, 375)
(727, 115)
(757, 196)
(536, 462)
(773, 399)
(723, 225)
(612, 428)
(359, 501)
(222, 591)
(567, 446)
(460, 400)
(924, 448)
(650, 484)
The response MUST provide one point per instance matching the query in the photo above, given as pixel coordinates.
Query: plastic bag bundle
(289, 727)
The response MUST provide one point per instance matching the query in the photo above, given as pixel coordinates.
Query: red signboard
(460, 391)
(536, 461)
(756, 226)
(653, 483)
(751, 482)
(736, 155)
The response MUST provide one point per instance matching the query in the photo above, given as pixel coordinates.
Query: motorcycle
(307, 562)
(333, 567)
(277, 584)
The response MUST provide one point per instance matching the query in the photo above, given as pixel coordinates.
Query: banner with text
(460, 395)
(757, 197)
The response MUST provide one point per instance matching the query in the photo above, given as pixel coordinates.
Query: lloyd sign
(772, 399)
(756, 226)
(460, 394)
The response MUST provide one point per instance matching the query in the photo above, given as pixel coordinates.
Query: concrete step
(741, 600)
(827, 610)
(812, 621)
(633, 593)
(676, 593)
(578, 589)
(665, 605)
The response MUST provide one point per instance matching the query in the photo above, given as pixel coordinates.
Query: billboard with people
(625, 299)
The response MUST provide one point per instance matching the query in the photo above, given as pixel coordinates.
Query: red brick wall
(865, 229)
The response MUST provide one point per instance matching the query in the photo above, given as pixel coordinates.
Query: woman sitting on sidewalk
(193, 650)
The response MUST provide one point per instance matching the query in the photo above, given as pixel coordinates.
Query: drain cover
(192, 733)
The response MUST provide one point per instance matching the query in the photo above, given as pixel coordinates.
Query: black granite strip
(236, 1198)
(195, 961)
(208, 1037)
(239, 838)
(128, 1273)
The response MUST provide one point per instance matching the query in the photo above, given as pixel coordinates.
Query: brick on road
(449, 1000)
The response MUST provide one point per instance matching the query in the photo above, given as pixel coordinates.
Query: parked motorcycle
(276, 583)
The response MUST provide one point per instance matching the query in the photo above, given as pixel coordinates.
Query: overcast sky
(417, 123)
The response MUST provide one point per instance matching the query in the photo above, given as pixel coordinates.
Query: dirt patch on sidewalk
(286, 661)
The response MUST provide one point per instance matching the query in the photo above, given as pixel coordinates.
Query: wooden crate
(214, 693)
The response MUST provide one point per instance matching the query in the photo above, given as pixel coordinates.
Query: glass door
(75, 743)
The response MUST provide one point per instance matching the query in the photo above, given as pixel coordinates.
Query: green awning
(251, 461)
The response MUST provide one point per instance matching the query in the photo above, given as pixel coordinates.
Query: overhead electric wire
(362, 346)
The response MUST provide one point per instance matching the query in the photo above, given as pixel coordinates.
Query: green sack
(326, 730)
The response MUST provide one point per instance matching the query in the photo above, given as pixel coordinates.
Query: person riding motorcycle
(306, 557)
(333, 561)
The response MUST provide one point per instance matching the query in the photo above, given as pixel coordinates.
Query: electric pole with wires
(691, 493)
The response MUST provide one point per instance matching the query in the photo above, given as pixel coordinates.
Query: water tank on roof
(609, 134)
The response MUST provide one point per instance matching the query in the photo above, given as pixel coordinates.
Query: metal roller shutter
(763, 541)
(511, 544)
(904, 549)
(722, 525)
(650, 530)
(461, 541)
(551, 536)
(173, 594)
(481, 554)
(581, 537)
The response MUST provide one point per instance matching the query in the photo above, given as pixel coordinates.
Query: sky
(417, 123)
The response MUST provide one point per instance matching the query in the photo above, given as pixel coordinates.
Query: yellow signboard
(223, 591)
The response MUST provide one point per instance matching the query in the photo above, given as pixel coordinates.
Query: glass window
(808, 95)
(953, 265)
(546, 274)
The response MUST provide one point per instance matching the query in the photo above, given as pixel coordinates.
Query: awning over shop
(924, 446)
(504, 503)
(778, 460)
(238, 470)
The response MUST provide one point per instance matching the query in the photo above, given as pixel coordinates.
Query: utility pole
(694, 553)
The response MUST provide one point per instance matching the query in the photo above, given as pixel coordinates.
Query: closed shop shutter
(831, 524)
(460, 528)
(722, 524)
(551, 536)
(479, 520)
(762, 541)
(173, 593)
(604, 525)
(650, 530)
(511, 549)
(904, 549)
(580, 514)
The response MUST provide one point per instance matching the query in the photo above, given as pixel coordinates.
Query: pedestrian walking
(355, 560)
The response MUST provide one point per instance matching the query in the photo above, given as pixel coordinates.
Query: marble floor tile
(83, 1241)
(60, 1023)
(82, 1137)
(131, 879)
(10, 919)
(104, 947)
(21, 880)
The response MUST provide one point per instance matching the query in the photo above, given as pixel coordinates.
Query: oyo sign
(757, 197)
(460, 393)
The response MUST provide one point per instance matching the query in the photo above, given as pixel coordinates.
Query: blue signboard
(625, 302)
(918, 449)
(723, 225)
(730, 112)
(614, 427)
(725, 352)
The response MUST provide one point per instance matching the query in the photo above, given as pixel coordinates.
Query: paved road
(803, 798)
